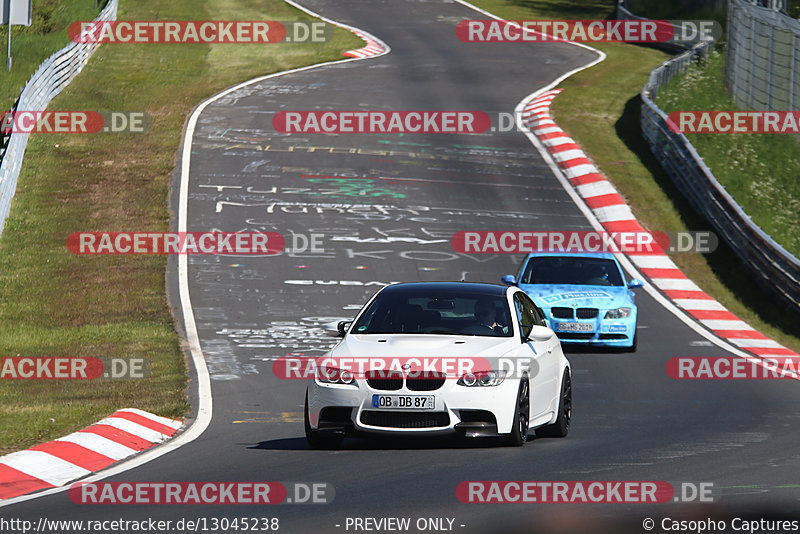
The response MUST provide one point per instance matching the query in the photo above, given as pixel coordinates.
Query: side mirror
(509, 280)
(635, 283)
(540, 333)
(336, 328)
(342, 327)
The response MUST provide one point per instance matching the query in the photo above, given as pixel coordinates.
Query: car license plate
(575, 327)
(403, 402)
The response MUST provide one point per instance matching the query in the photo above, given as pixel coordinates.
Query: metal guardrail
(55, 73)
(762, 67)
(774, 269)
(6, 137)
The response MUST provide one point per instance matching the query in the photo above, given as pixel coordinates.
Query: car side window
(525, 271)
(533, 309)
(524, 314)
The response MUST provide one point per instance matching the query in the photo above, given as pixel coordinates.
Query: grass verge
(759, 170)
(30, 45)
(600, 109)
(53, 303)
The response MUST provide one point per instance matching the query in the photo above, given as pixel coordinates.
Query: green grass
(600, 109)
(54, 303)
(759, 170)
(30, 45)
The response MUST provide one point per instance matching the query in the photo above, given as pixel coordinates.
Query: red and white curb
(373, 47)
(58, 462)
(615, 216)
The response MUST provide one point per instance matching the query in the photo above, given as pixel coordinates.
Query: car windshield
(436, 312)
(572, 270)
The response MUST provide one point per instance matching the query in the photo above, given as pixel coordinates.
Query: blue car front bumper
(605, 332)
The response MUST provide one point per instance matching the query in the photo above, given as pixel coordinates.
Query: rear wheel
(317, 439)
(560, 428)
(519, 430)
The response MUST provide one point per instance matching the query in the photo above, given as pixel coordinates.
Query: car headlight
(619, 313)
(482, 378)
(332, 375)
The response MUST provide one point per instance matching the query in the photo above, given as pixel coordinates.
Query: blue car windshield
(572, 270)
(432, 312)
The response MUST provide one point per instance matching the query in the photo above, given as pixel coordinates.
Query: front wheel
(519, 430)
(317, 439)
(560, 427)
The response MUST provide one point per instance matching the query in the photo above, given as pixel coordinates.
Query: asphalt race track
(386, 207)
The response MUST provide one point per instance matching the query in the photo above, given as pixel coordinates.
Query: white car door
(544, 375)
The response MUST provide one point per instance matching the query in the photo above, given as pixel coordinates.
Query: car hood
(427, 345)
(568, 295)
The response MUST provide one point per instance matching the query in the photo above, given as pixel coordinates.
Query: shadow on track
(359, 443)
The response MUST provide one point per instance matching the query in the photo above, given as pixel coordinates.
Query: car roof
(481, 288)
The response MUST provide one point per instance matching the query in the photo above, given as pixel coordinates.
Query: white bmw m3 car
(431, 358)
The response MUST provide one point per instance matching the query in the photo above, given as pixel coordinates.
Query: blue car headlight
(619, 313)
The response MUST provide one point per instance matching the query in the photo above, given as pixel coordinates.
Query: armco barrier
(773, 267)
(55, 73)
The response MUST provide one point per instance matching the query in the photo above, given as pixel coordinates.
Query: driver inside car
(486, 316)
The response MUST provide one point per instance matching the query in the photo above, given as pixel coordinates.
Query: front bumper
(473, 411)
(605, 332)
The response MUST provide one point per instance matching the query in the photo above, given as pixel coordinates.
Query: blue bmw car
(584, 297)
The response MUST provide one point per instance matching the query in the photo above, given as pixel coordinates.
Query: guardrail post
(8, 50)
(793, 97)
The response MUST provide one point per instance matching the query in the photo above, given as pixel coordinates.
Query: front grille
(385, 380)
(405, 419)
(613, 336)
(586, 313)
(561, 313)
(427, 381)
(575, 335)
